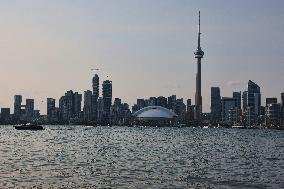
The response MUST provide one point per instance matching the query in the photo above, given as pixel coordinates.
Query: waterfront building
(116, 111)
(229, 104)
(198, 98)
(107, 99)
(96, 86)
(188, 105)
(253, 101)
(216, 109)
(88, 106)
(96, 94)
(135, 108)
(70, 105)
(100, 110)
(190, 113)
(140, 104)
(155, 116)
(29, 109)
(172, 102)
(272, 100)
(51, 114)
(5, 115)
(180, 109)
(152, 101)
(238, 110)
(162, 101)
(120, 113)
(245, 100)
(272, 114)
(17, 106)
(238, 97)
(77, 99)
(36, 114)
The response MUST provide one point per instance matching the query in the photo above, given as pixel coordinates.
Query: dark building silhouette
(238, 97)
(140, 104)
(29, 109)
(152, 101)
(172, 102)
(229, 106)
(188, 105)
(77, 103)
(96, 86)
(216, 108)
(162, 101)
(88, 106)
(198, 98)
(190, 111)
(5, 116)
(107, 99)
(245, 100)
(96, 94)
(17, 106)
(70, 105)
(272, 100)
(253, 103)
(51, 110)
(272, 114)
(100, 110)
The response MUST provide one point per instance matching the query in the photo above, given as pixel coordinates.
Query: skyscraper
(188, 105)
(140, 103)
(29, 109)
(238, 97)
(87, 109)
(95, 96)
(77, 98)
(252, 102)
(228, 106)
(254, 97)
(152, 101)
(162, 101)
(50, 108)
(198, 98)
(96, 86)
(272, 100)
(245, 99)
(172, 102)
(70, 105)
(216, 108)
(107, 99)
(17, 106)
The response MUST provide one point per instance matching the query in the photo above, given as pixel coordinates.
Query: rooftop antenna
(199, 30)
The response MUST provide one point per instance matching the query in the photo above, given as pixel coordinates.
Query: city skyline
(39, 51)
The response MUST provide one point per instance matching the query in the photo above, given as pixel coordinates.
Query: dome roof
(154, 112)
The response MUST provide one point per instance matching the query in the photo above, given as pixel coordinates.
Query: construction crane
(95, 69)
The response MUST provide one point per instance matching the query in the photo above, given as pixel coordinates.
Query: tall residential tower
(198, 98)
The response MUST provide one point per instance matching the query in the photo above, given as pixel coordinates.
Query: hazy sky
(145, 46)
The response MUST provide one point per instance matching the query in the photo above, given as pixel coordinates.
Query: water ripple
(122, 157)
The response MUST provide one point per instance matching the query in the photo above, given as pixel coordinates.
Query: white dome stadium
(154, 113)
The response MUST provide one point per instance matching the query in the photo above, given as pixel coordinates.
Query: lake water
(123, 157)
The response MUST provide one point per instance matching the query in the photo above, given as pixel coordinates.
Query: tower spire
(199, 30)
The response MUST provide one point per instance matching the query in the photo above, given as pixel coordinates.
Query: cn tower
(198, 98)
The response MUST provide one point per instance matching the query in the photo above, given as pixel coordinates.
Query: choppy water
(122, 157)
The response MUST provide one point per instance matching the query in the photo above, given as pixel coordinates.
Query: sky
(144, 46)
